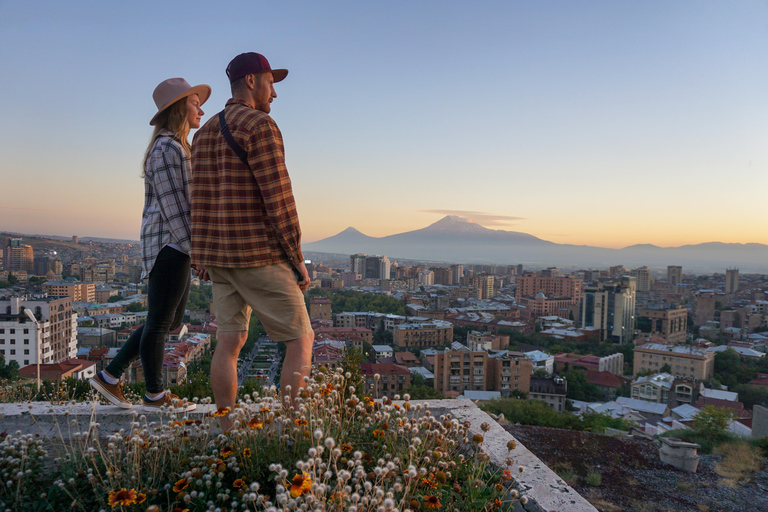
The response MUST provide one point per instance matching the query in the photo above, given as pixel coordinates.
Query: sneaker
(112, 392)
(167, 401)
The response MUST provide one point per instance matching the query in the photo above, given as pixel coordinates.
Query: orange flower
(300, 485)
(378, 433)
(301, 422)
(189, 422)
(432, 502)
(227, 451)
(497, 503)
(175, 424)
(180, 485)
(346, 448)
(141, 498)
(246, 452)
(238, 483)
(429, 483)
(506, 475)
(254, 423)
(122, 497)
(264, 408)
(221, 411)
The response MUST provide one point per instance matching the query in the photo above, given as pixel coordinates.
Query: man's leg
(296, 366)
(224, 371)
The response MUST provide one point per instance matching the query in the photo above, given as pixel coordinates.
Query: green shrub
(594, 479)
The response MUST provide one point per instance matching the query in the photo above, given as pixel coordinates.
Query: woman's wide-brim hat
(172, 90)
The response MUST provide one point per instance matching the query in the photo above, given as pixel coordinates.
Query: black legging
(167, 293)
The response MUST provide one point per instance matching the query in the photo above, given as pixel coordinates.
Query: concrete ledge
(544, 489)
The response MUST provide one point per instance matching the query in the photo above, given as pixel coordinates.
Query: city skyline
(596, 124)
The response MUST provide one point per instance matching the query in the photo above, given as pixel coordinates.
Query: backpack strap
(240, 152)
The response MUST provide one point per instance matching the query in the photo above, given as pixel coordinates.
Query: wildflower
(506, 475)
(246, 452)
(122, 497)
(254, 423)
(432, 502)
(485, 427)
(238, 483)
(301, 422)
(264, 408)
(141, 498)
(300, 485)
(221, 411)
(227, 451)
(180, 485)
(477, 439)
(378, 433)
(346, 448)
(175, 424)
(429, 483)
(499, 487)
(497, 503)
(189, 422)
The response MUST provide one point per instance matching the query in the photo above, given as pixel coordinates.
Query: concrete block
(681, 454)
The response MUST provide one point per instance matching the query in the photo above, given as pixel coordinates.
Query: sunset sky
(598, 122)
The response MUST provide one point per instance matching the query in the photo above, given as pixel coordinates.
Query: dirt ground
(632, 478)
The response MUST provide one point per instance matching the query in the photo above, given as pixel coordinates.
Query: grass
(337, 451)
(740, 460)
(593, 479)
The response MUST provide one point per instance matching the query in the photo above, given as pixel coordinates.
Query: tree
(135, 307)
(666, 368)
(712, 422)
(116, 298)
(8, 371)
(419, 389)
(751, 395)
(579, 388)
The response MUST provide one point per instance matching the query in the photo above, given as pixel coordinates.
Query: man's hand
(201, 271)
(305, 280)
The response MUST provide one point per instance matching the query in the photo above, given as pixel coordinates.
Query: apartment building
(550, 390)
(320, 307)
(392, 379)
(18, 256)
(668, 321)
(459, 369)
(610, 308)
(684, 361)
(425, 334)
(664, 388)
(54, 332)
(77, 290)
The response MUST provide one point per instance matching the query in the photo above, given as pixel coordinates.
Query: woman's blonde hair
(175, 120)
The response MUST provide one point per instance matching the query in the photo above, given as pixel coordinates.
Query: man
(245, 230)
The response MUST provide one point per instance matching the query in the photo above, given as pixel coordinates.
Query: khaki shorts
(270, 291)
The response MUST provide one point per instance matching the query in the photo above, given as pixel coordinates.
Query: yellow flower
(238, 483)
(221, 411)
(246, 452)
(429, 483)
(432, 502)
(180, 485)
(141, 498)
(122, 497)
(254, 423)
(227, 451)
(300, 485)
(346, 448)
(301, 422)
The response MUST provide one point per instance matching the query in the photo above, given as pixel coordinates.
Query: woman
(165, 244)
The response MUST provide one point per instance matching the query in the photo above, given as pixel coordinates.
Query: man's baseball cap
(252, 62)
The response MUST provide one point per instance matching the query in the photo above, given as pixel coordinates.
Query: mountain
(456, 239)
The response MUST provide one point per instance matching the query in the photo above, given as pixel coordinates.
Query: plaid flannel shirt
(242, 217)
(165, 219)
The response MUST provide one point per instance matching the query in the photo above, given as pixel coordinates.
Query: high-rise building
(79, 292)
(443, 275)
(320, 307)
(669, 322)
(610, 307)
(459, 369)
(357, 264)
(674, 274)
(18, 256)
(484, 283)
(731, 280)
(457, 272)
(643, 277)
(55, 330)
(529, 285)
(704, 307)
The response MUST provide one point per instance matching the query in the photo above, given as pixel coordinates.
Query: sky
(596, 123)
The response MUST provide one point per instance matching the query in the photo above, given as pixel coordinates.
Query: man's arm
(267, 161)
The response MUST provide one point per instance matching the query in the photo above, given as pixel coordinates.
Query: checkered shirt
(242, 217)
(165, 219)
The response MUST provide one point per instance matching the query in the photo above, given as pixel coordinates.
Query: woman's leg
(167, 292)
(126, 356)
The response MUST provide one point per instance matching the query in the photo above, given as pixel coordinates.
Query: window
(26, 362)
(13, 341)
(13, 331)
(26, 351)
(26, 331)
(13, 351)
(26, 342)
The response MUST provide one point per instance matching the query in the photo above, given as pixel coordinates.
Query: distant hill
(456, 239)
(63, 240)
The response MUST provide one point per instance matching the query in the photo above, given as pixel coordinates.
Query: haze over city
(597, 123)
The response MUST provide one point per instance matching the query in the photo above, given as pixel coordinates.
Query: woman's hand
(201, 271)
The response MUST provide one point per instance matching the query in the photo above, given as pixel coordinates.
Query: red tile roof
(606, 379)
(384, 369)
